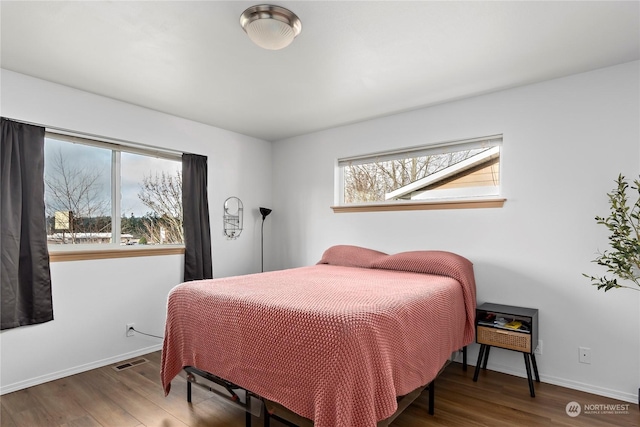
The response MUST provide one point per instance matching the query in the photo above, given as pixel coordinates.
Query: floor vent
(127, 365)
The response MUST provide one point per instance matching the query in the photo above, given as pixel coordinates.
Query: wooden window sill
(417, 206)
(92, 254)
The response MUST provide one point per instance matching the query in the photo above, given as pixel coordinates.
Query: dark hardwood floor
(134, 397)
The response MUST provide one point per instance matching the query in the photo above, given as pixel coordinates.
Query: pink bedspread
(334, 344)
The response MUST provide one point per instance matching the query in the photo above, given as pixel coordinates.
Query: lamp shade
(265, 212)
(270, 27)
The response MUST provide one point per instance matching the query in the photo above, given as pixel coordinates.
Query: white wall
(565, 142)
(93, 300)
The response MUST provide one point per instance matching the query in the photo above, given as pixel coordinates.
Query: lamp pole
(265, 212)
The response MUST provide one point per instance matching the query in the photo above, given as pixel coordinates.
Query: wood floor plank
(5, 417)
(155, 357)
(19, 401)
(137, 405)
(89, 392)
(55, 399)
(140, 383)
(86, 421)
(34, 417)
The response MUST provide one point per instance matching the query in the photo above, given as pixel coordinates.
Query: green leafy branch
(623, 260)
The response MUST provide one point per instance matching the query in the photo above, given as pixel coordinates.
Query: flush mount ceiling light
(270, 27)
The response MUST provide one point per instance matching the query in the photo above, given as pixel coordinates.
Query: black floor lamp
(265, 212)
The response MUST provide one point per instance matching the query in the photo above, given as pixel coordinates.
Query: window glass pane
(151, 203)
(453, 174)
(77, 193)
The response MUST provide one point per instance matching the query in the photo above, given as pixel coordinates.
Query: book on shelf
(515, 324)
(522, 327)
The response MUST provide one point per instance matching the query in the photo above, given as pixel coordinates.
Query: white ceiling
(353, 61)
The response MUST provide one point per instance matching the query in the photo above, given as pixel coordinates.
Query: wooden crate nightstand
(511, 328)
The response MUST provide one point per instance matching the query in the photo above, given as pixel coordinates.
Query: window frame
(465, 202)
(90, 251)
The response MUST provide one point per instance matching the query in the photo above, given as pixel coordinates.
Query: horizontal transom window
(468, 169)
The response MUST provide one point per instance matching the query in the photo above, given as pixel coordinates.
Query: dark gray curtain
(26, 281)
(195, 206)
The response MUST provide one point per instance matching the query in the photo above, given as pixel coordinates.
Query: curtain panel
(197, 230)
(25, 276)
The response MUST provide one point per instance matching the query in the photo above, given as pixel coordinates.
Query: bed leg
(464, 358)
(431, 397)
(247, 420)
(189, 391)
(267, 418)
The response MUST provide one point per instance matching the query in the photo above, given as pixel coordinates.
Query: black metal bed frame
(253, 404)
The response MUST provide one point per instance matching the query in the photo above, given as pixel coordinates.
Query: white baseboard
(77, 369)
(562, 382)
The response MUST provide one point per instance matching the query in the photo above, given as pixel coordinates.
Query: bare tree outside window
(152, 194)
(370, 182)
(162, 193)
(77, 186)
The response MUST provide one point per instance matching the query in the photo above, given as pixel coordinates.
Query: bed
(335, 343)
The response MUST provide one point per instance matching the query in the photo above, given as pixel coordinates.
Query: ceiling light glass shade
(270, 27)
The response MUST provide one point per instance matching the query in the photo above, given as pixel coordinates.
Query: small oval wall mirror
(232, 218)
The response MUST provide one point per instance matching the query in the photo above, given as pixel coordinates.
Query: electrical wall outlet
(585, 355)
(538, 349)
(130, 329)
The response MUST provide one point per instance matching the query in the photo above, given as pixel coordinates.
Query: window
(461, 170)
(106, 194)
